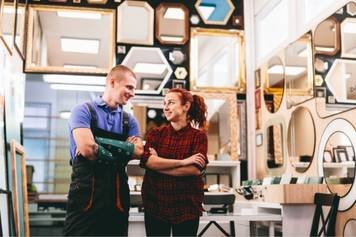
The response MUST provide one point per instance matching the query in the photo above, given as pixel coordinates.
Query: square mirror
(217, 60)
(172, 23)
(7, 23)
(53, 47)
(151, 68)
(135, 23)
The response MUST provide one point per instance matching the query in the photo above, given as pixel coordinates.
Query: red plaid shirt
(170, 198)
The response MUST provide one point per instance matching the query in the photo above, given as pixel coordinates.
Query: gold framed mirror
(215, 12)
(217, 60)
(151, 68)
(53, 47)
(327, 37)
(299, 72)
(7, 23)
(135, 23)
(301, 147)
(275, 146)
(172, 23)
(273, 76)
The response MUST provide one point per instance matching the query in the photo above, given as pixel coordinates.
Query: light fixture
(64, 114)
(151, 113)
(82, 15)
(206, 11)
(289, 70)
(72, 87)
(71, 79)
(174, 13)
(150, 68)
(80, 45)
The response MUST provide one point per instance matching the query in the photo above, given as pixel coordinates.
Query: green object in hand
(116, 147)
(104, 154)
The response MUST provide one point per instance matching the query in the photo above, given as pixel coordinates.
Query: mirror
(275, 152)
(135, 23)
(300, 146)
(339, 163)
(341, 80)
(215, 12)
(151, 68)
(320, 65)
(273, 87)
(172, 23)
(299, 71)
(216, 60)
(222, 121)
(52, 46)
(7, 23)
(348, 38)
(351, 8)
(20, 28)
(327, 37)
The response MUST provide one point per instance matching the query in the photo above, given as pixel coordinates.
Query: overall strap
(125, 124)
(94, 117)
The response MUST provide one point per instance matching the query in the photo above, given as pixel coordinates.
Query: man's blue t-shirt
(108, 119)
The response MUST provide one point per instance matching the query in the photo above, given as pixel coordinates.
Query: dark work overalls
(99, 197)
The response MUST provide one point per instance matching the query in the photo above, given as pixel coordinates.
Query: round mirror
(274, 84)
(300, 146)
(339, 163)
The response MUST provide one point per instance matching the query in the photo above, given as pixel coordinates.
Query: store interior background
(262, 123)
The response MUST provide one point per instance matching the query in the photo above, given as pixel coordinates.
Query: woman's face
(173, 108)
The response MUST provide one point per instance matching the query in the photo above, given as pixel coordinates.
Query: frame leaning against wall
(19, 189)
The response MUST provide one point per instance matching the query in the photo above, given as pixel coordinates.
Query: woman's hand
(153, 152)
(197, 159)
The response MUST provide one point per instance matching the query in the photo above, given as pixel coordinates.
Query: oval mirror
(274, 84)
(339, 163)
(172, 23)
(52, 46)
(275, 147)
(327, 37)
(300, 146)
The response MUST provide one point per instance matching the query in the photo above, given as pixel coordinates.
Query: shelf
(223, 163)
(348, 164)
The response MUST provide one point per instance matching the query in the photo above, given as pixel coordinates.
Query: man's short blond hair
(119, 71)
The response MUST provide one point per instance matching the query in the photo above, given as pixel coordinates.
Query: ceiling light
(150, 68)
(64, 114)
(174, 13)
(72, 87)
(206, 11)
(289, 70)
(80, 45)
(70, 79)
(82, 15)
(349, 28)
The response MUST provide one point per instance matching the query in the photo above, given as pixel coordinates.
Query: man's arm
(85, 142)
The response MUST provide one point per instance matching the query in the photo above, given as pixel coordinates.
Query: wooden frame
(172, 25)
(7, 223)
(21, 49)
(15, 150)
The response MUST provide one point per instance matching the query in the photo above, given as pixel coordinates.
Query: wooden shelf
(347, 164)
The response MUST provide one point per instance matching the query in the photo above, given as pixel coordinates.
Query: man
(102, 140)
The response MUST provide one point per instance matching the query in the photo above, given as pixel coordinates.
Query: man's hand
(197, 159)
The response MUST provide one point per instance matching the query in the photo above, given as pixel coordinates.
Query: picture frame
(350, 153)
(19, 189)
(20, 28)
(150, 83)
(341, 155)
(7, 23)
(178, 84)
(328, 156)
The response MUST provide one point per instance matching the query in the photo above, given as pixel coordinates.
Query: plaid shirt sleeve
(201, 146)
(150, 142)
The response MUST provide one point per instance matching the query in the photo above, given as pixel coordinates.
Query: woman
(174, 157)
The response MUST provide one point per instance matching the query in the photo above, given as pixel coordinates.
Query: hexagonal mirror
(172, 23)
(151, 68)
(52, 46)
(273, 83)
(301, 147)
(327, 37)
(216, 12)
(135, 23)
(299, 71)
(351, 8)
(341, 80)
(348, 38)
(339, 163)
(216, 60)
